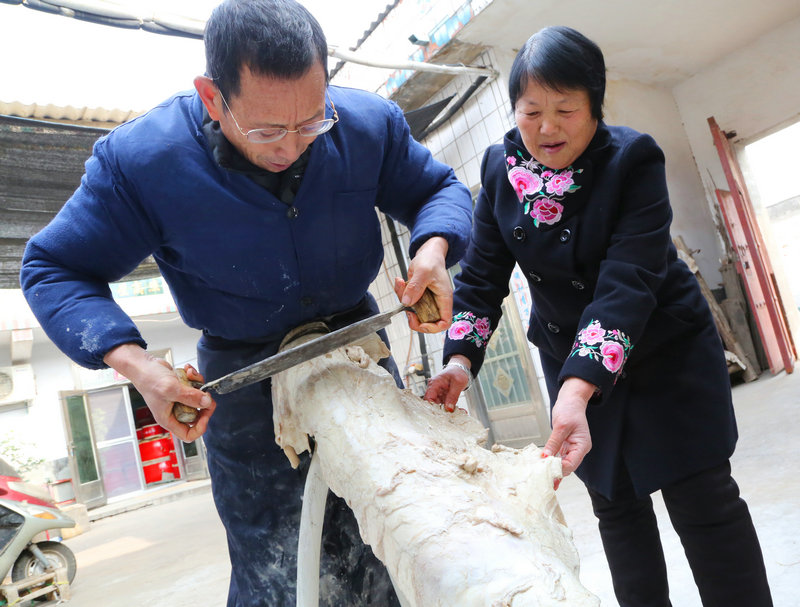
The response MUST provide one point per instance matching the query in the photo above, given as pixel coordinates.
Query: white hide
(454, 523)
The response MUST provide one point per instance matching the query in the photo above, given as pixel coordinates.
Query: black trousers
(259, 496)
(716, 532)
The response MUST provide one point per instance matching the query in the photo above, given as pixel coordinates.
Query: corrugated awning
(41, 165)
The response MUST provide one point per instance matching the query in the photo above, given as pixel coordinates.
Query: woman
(638, 382)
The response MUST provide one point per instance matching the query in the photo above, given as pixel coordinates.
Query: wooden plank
(723, 326)
(736, 310)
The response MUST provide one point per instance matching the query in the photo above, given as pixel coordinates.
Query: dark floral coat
(612, 304)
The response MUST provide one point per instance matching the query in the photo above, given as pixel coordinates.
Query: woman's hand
(160, 387)
(447, 385)
(428, 269)
(570, 438)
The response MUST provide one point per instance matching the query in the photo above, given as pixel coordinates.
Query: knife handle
(184, 413)
(426, 308)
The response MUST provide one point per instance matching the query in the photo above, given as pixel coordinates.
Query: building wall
(653, 110)
(40, 425)
(752, 91)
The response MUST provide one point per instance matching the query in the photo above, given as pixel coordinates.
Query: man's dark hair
(275, 38)
(560, 58)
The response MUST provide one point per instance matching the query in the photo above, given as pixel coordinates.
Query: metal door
(194, 459)
(508, 386)
(752, 260)
(83, 460)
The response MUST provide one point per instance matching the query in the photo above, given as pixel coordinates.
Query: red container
(150, 431)
(155, 448)
(159, 472)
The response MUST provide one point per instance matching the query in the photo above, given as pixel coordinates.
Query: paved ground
(173, 553)
(764, 466)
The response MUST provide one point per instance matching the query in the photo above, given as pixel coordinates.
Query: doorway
(771, 168)
(116, 448)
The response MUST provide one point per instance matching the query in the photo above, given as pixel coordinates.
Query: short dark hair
(560, 58)
(275, 38)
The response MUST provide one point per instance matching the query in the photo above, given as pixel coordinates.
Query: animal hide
(454, 523)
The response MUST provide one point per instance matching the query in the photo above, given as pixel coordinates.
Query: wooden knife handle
(426, 308)
(184, 413)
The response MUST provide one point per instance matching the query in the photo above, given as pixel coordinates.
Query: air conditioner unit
(17, 384)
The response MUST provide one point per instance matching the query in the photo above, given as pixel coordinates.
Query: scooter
(39, 570)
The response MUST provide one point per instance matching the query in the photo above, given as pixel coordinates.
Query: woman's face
(556, 126)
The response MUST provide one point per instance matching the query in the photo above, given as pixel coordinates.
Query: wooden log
(736, 310)
(454, 523)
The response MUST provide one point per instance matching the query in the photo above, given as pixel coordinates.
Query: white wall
(653, 110)
(751, 91)
(42, 425)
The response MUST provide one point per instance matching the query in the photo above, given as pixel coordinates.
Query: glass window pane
(120, 469)
(189, 449)
(109, 415)
(81, 440)
(502, 377)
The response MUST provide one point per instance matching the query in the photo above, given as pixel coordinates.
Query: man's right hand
(160, 387)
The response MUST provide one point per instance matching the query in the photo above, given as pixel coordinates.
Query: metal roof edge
(71, 114)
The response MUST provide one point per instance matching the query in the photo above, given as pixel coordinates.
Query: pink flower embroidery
(613, 355)
(560, 183)
(540, 190)
(611, 348)
(547, 211)
(593, 334)
(459, 329)
(465, 326)
(524, 182)
(482, 327)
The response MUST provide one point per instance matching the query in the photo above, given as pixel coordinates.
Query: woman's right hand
(447, 385)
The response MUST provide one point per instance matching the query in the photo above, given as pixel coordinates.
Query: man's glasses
(268, 135)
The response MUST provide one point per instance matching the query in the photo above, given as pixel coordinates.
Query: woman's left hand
(570, 438)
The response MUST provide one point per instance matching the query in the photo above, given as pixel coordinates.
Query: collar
(229, 158)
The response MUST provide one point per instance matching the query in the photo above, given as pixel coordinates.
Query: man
(256, 195)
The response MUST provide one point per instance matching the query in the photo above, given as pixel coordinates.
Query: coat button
(553, 328)
(565, 235)
(534, 277)
(292, 212)
(578, 285)
(307, 301)
(519, 233)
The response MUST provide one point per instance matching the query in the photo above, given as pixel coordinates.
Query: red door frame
(752, 259)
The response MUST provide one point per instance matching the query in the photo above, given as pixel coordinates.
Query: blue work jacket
(238, 265)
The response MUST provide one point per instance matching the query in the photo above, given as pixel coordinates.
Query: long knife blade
(299, 354)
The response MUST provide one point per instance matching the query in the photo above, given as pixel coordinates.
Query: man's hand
(156, 381)
(428, 269)
(447, 385)
(570, 438)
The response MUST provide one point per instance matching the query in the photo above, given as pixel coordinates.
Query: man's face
(264, 102)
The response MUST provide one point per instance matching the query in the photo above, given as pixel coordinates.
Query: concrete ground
(764, 466)
(768, 413)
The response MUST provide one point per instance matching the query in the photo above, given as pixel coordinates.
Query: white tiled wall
(460, 143)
